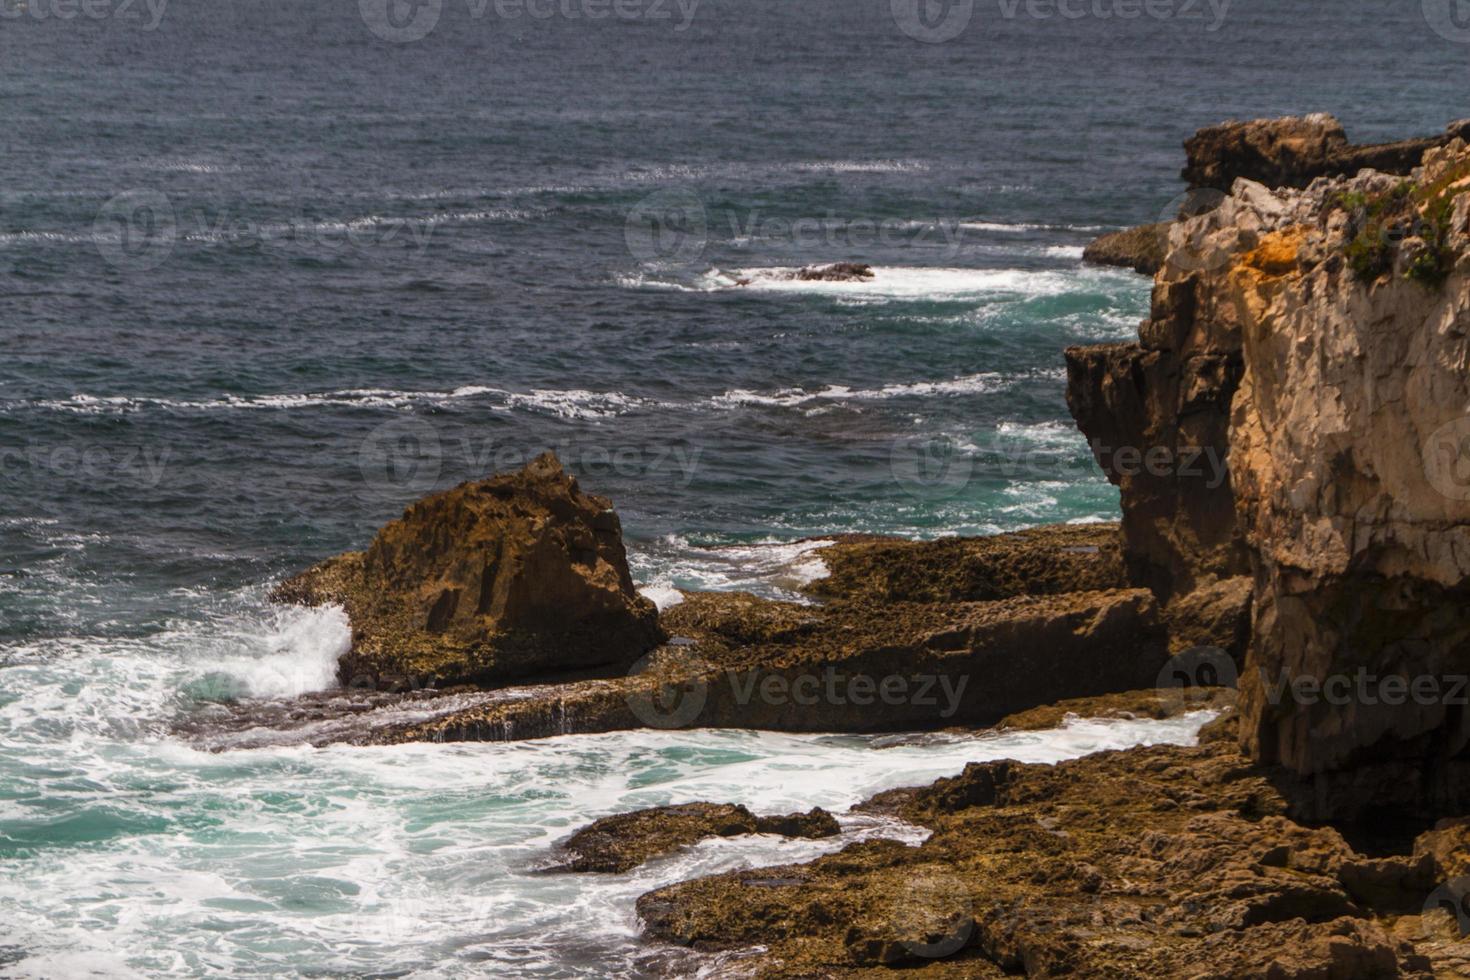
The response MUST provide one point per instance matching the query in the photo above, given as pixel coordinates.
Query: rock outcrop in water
(497, 580)
(910, 636)
(1317, 340)
(622, 842)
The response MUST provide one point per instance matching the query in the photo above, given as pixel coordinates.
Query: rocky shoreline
(1288, 437)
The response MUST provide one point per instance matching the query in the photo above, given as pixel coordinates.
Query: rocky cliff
(1317, 340)
(1290, 152)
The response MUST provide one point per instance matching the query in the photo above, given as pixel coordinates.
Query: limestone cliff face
(1339, 316)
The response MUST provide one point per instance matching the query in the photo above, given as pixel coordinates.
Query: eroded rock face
(517, 575)
(1322, 348)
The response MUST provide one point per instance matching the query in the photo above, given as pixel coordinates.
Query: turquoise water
(266, 277)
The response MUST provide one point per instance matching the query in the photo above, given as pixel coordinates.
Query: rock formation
(1287, 152)
(1296, 150)
(1157, 862)
(501, 579)
(620, 843)
(1140, 249)
(838, 272)
(1317, 339)
(911, 636)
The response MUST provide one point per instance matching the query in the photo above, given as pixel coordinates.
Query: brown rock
(1039, 561)
(622, 842)
(1140, 249)
(838, 272)
(1296, 150)
(514, 576)
(1159, 862)
(1158, 424)
(1325, 361)
(1217, 614)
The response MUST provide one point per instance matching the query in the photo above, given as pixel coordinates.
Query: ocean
(270, 271)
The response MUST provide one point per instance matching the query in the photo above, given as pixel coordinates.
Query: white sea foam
(573, 403)
(969, 384)
(349, 860)
(296, 655)
(907, 283)
(662, 595)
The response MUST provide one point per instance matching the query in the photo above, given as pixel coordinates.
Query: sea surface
(269, 271)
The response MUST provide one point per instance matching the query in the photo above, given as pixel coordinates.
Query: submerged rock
(837, 272)
(515, 576)
(622, 842)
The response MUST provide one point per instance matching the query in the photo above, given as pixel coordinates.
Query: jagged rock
(1289, 151)
(837, 272)
(622, 842)
(1286, 152)
(1158, 424)
(1158, 862)
(1140, 249)
(1295, 150)
(1038, 561)
(517, 575)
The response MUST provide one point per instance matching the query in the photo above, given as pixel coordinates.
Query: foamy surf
(422, 859)
(902, 283)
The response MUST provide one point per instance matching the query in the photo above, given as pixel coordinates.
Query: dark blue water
(265, 277)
